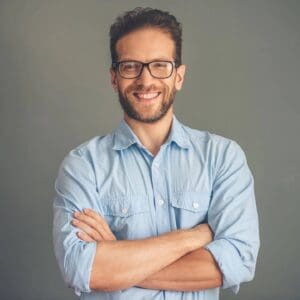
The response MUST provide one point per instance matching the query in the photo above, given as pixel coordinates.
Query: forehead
(146, 44)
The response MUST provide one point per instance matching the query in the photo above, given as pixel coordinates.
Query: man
(155, 210)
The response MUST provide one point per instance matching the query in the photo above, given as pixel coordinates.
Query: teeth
(147, 95)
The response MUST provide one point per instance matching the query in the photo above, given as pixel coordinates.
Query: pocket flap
(190, 200)
(124, 206)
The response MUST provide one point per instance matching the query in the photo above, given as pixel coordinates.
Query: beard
(133, 113)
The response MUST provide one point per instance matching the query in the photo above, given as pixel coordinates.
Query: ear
(113, 79)
(179, 77)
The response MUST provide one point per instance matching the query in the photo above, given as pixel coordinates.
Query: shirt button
(161, 202)
(156, 164)
(196, 205)
(124, 210)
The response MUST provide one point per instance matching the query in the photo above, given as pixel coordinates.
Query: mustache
(142, 88)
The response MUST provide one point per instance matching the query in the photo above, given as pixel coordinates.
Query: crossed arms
(182, 260)
(173, 261)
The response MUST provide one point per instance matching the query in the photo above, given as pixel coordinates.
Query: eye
(160, 64)
(129, 66)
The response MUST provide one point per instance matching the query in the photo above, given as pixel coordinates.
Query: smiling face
(147, 99)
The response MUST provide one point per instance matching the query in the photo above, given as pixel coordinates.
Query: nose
(145, 78)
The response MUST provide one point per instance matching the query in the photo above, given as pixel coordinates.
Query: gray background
(242, 82)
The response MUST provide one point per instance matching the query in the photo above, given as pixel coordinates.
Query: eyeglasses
(133, 69)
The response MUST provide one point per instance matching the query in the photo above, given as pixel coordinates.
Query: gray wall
(242, 82)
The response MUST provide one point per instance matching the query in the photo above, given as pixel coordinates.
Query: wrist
(191, 239)
(200, 236)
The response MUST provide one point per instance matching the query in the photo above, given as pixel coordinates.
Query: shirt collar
(124, 136)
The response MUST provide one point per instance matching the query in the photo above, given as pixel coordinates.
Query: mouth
(146, 96)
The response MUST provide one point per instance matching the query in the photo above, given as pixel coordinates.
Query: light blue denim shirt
(196, 177)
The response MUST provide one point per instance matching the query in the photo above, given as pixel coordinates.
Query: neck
(152, 135)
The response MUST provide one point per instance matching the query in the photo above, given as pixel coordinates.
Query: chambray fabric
(196, 177)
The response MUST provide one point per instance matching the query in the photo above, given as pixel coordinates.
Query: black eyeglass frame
(115, 66)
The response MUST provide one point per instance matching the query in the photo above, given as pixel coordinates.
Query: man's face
(147, 99)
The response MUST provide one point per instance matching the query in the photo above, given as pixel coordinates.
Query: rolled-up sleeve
(232, 215)
(75, 190)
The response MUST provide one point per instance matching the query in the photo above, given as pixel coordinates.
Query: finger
(87, 229)
(86, 219)
(85, 237)
(101, 224)
(91, 222)
(97, 217)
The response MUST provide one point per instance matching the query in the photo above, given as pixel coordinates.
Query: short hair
(146, 17)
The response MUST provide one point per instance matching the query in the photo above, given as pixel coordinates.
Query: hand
(93, 226)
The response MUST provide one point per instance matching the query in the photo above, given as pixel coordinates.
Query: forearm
(121, 264)
(180, 286)
(194, 271)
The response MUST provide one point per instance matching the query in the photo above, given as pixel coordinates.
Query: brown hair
(145, 17)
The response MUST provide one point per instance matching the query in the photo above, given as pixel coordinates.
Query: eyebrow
(153, 59)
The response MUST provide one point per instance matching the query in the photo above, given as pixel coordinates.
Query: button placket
(161, 201)
(158, 191)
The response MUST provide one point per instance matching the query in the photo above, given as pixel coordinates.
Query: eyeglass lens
(158, 69)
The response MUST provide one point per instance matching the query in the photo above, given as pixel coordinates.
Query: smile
(146, 96)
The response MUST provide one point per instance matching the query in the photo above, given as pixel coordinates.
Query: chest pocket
(127, 216)
(189, 208)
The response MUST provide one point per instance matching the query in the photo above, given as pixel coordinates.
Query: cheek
(124, 89)
(167, 91)
(168, 88)
(130, 85)
(128, 90)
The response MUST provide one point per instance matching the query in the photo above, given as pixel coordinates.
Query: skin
(162, 262)
(176, 276)
(146, 45)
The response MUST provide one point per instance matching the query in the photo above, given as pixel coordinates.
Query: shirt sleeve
(75, 190)
(232, 215)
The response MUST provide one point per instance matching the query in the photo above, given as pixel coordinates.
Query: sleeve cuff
(83, 266)
(228, 261)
